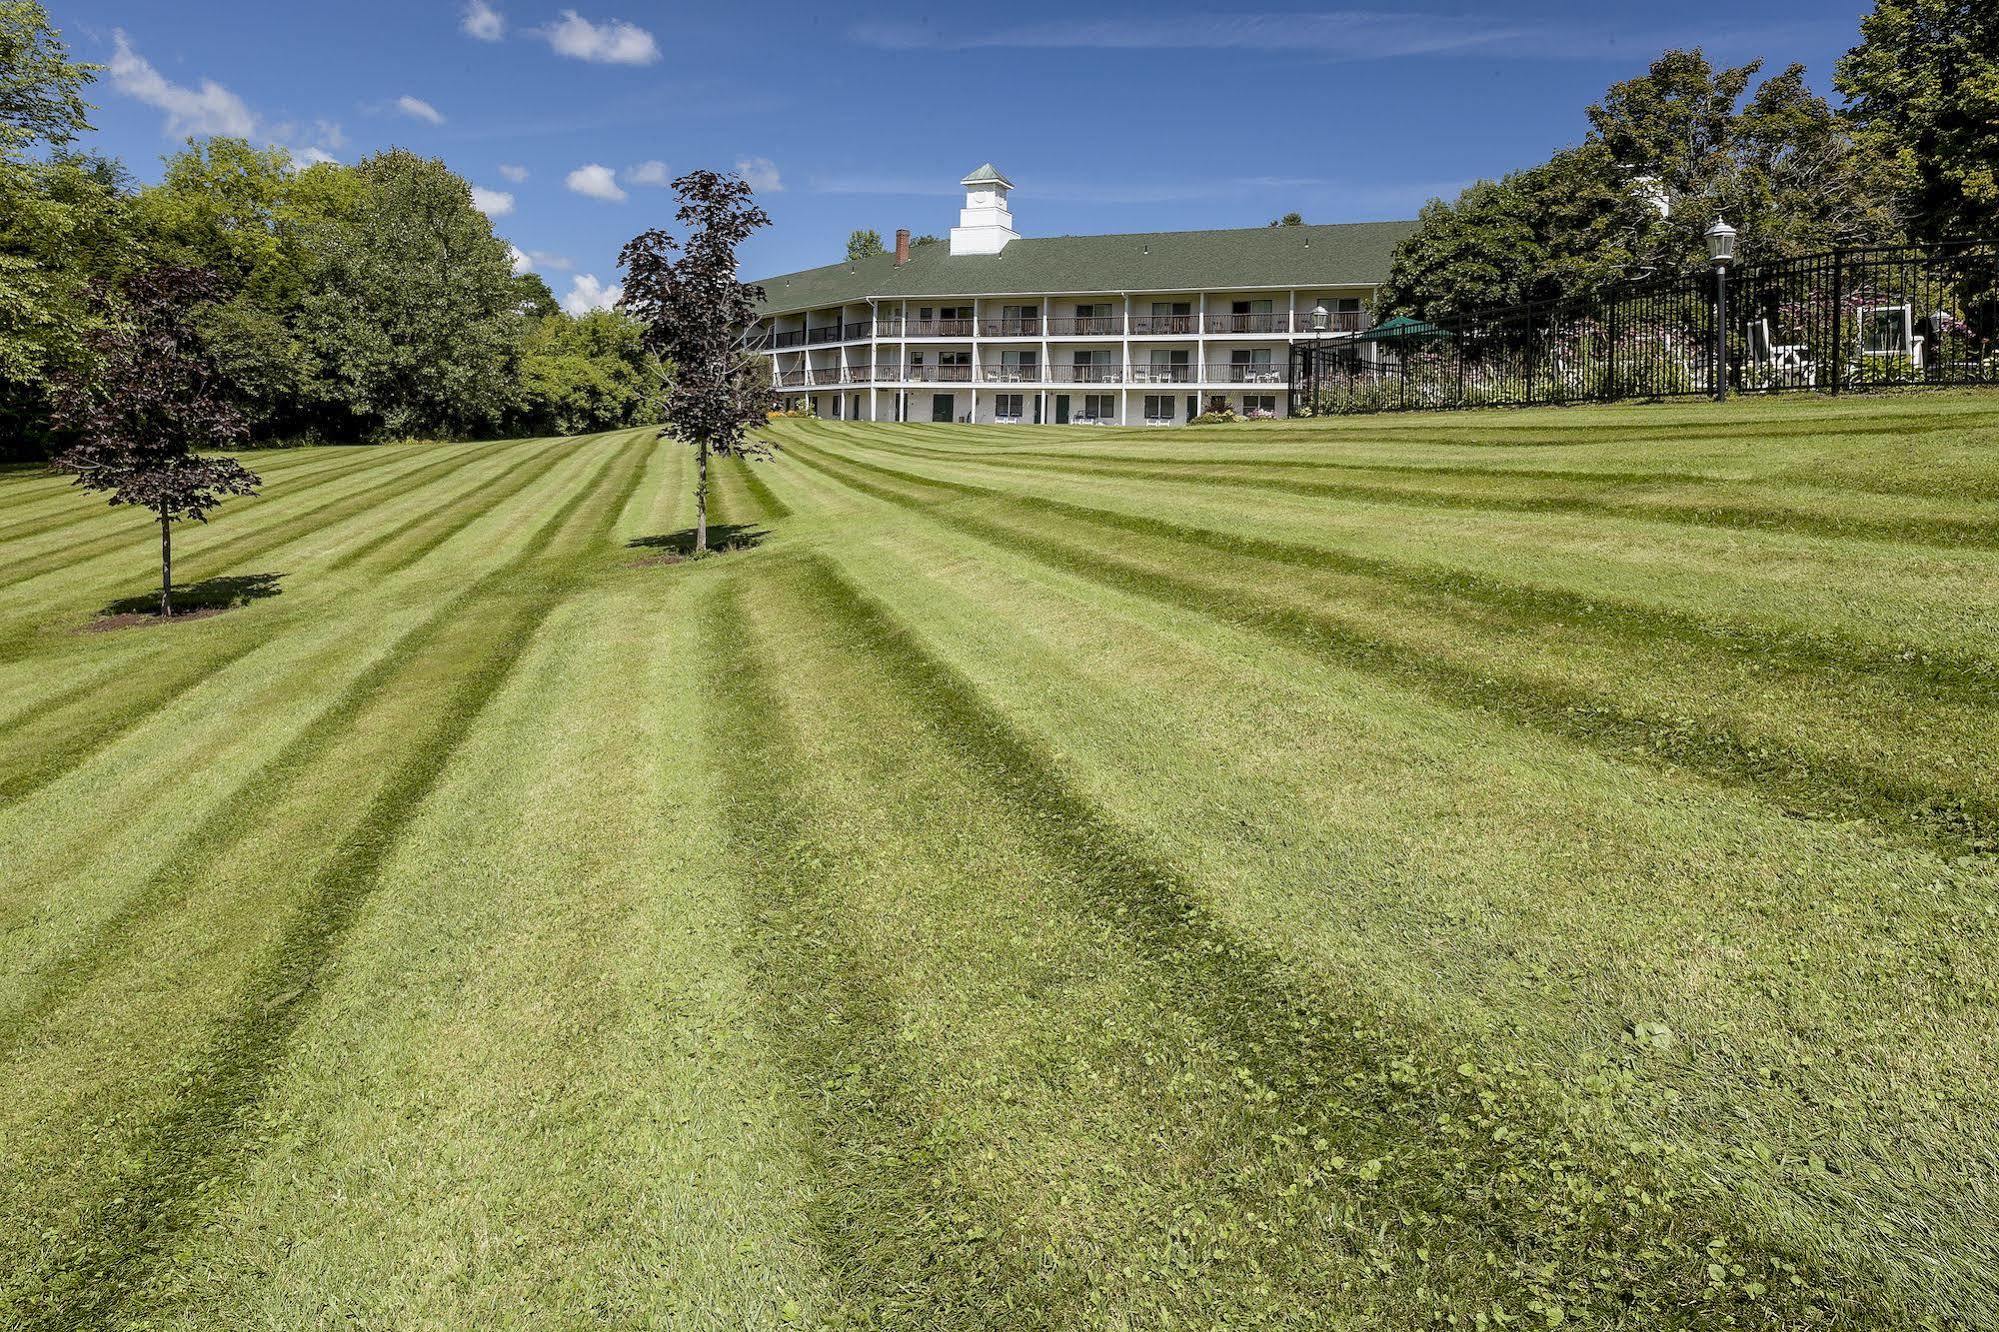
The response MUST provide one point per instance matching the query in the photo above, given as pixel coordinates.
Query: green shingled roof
(987, 171)
(1343, 254)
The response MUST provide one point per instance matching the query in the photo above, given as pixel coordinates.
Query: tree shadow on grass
(723, 538)
(211, 596)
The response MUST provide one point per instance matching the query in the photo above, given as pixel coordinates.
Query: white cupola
(984, 224)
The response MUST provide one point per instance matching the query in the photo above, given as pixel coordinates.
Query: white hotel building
(1133, 329)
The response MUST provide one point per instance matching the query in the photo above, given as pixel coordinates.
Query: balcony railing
(888, 327)
(1237, 373)
(830, 333)
(1010, 374)
(1086, 374)
(1086, 326)
(1025, 326)
(1165, 325)
(791, 337)
(941, 328)
(1273, 322)
(791, 379)
(1163, 374)
(938, 374)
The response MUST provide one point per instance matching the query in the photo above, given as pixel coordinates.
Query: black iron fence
(1850, 319)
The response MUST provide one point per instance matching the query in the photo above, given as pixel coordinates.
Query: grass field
(1495, 870)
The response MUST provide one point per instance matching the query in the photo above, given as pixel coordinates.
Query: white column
(1201, 356)
(1046, 370)
(1124, 349)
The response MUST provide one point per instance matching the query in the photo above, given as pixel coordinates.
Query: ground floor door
(943, 406)
(1061, 409)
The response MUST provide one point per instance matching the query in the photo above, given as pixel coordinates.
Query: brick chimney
(901, 246)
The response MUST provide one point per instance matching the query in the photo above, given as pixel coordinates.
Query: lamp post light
(1321, 321)
(1721, 250)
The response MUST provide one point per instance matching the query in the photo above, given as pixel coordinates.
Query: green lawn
(1494, 870)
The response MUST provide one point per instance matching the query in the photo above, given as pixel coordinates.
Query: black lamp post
(1721, 249)
(1320, 322)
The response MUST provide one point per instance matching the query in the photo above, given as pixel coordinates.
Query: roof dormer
(985, 224)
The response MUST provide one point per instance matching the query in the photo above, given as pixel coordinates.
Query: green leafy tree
(152, 398)
(590, 372)
(1289, 220)
(41, 88)
(412, 318)
(1922, 88)
(685, 295)
(1667, 152)
(865, 244)
(58, 221)
(533, 298)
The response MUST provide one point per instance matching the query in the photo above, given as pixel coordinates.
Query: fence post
(1610, 379)
(1838, 302)
(1402, 355)
(1530, 356)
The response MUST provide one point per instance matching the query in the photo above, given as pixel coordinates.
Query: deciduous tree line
(1912, 154)
(357, 302)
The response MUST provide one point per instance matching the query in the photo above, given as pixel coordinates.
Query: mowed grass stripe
(239, 814)
(177, 1154)
(155, 770)
(36, 509)
(68, 729)
(1435, 1165)
(1925, 673)
(1651, 501)
(829, 1011)
(619, 1149)
(1786, 774)
(1443, 871)
(242, 519)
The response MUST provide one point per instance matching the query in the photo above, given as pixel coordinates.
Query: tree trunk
(701, 498)
(166, 567)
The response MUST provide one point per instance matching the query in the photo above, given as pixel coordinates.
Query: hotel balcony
(937, 374)
(1090, 326)
(1169, 325)
(1164, 374)
(941, 328)
(1236, 373)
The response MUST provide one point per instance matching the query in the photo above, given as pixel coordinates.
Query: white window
(1259, 404)
(1159, 409)
(1009, 407)
(1099, 408)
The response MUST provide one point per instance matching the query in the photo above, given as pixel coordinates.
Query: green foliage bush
(360, 302)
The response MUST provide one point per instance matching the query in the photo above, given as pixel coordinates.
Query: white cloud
(493, 203)
(209, 109)
(418, 109)
(540, 261)
(516, 174)
(761, 173)
(651, 173)
(614, 43)
(305, 157)
(331, 134)
(483, 21)
(597, 182)
(586, 293)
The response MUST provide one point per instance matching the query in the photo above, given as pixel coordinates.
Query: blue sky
(1116, 117)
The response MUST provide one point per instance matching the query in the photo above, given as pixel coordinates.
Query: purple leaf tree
(685, 295)
(150, 397)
